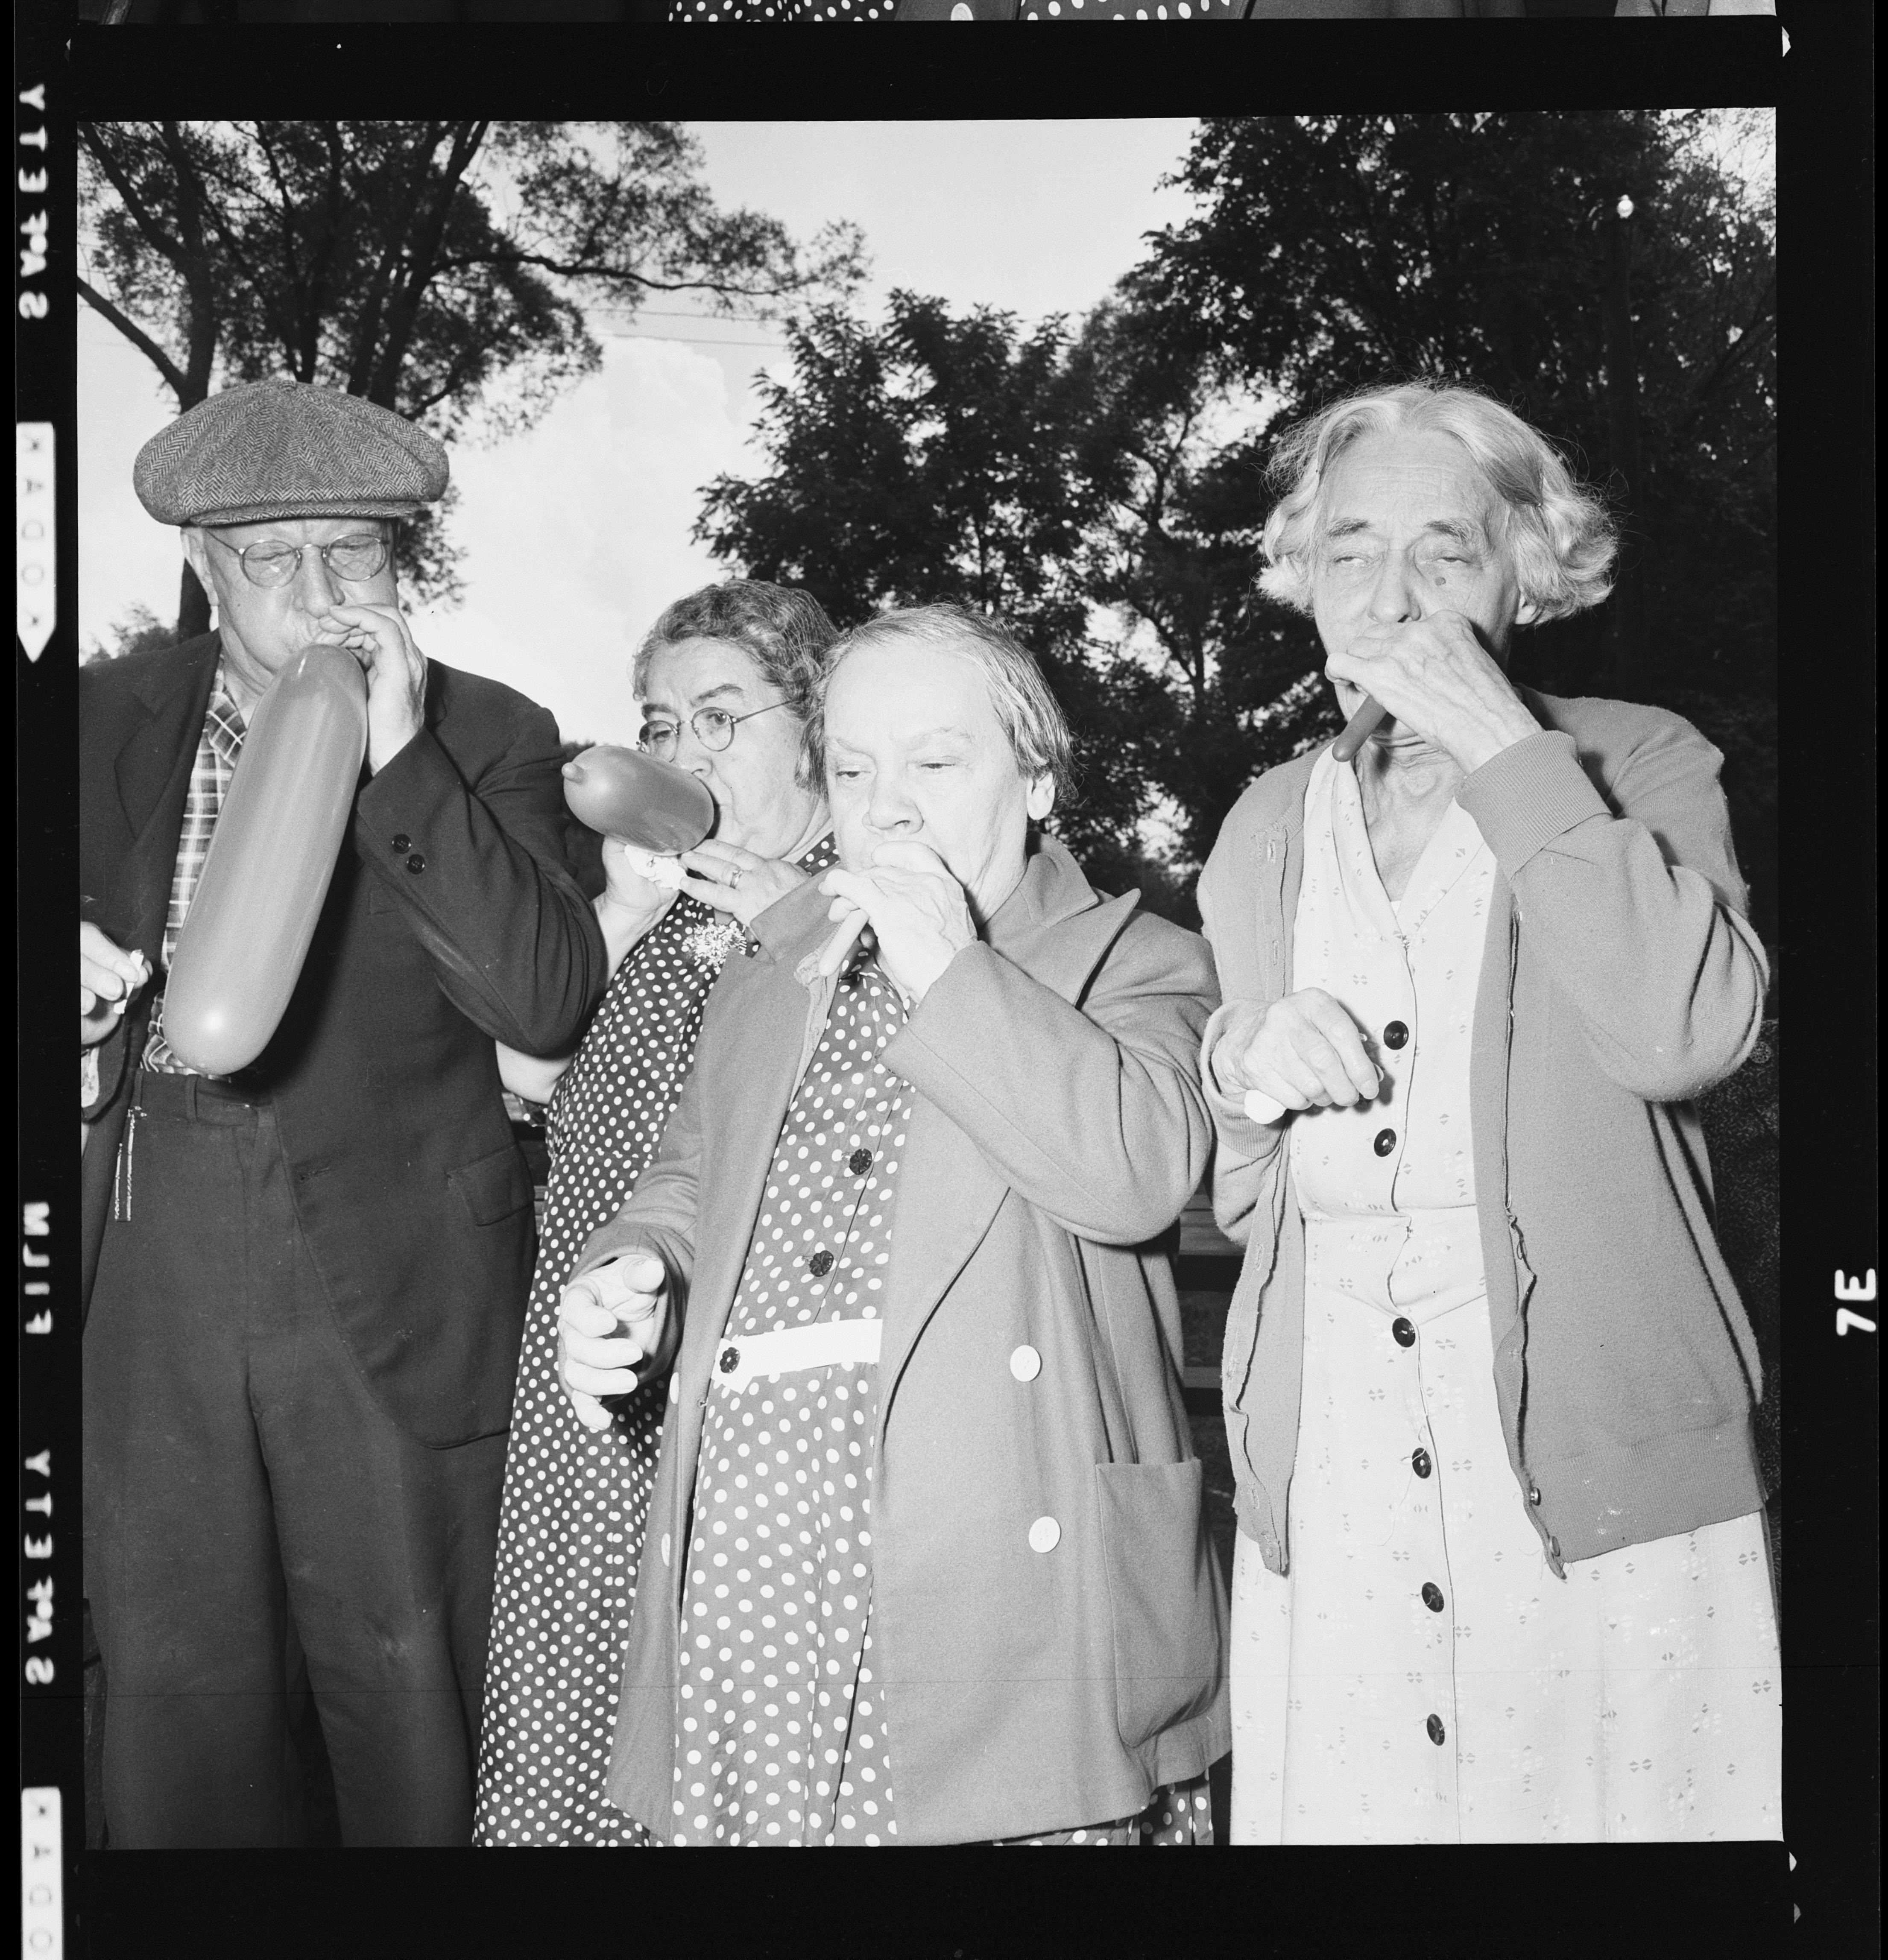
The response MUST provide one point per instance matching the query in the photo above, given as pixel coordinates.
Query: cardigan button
(1383, 1142)
(1437, 1732)
(1395, 1034)
(1404, 1331)
(1045, 1535)
(1420, 1463)
(1025, 1364)
(1432, 1596)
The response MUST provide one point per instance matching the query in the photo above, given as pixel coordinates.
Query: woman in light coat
(930, 1563)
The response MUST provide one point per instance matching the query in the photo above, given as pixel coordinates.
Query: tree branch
(146, 345)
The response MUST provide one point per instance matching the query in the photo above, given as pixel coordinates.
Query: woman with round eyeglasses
(723, 680)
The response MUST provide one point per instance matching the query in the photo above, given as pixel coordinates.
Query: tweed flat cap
(285, 449)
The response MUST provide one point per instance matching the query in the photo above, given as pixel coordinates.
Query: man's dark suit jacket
(452, 919)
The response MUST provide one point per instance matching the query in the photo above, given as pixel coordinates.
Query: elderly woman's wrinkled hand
(1437, 678)
(736, 881)
(916, 909)
(1303, 1051)
(613, 1329)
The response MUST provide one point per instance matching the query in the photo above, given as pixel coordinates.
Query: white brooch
(709, 942)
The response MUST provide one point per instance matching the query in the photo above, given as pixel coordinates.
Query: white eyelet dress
(1420, 1675)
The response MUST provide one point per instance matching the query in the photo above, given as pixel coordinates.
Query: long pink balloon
(650, 803)
(271, 856)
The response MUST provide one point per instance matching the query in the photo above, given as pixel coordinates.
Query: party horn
(271, 855)
(652, 804)
(1357, 731)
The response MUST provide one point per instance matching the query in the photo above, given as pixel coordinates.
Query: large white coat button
(1045, 1535)
(1025, 1364)
(665, 1548)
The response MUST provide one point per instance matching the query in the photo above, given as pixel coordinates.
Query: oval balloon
(271, 855)
(647, 802)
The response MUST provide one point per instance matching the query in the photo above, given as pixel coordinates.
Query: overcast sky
(576, 534)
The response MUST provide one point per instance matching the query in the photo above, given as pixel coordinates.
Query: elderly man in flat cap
(306, 1284)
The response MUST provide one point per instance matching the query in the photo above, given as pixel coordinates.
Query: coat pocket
(1165, 1595)
(493, 1188)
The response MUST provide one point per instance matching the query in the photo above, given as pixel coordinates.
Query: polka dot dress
(1130, 10)
(780, 1731)
(781, 10)
(571, 1529)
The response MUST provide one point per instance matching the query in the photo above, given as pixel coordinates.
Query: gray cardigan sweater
(1620, 979)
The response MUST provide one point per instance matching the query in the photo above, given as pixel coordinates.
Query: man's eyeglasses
(714, 729)
(354, 559)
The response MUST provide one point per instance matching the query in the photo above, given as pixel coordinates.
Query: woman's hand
(1303, 1051)
(1436, 677)
(916, 909)
(631, 887)
(614, 1329)
(736, 881)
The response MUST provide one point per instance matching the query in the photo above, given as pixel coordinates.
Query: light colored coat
(1620, 979)
(1058, 1127)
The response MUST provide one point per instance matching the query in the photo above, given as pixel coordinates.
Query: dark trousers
(254, 1520)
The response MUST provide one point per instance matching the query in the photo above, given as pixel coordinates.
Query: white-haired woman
(724, 679)
(1502, 1572)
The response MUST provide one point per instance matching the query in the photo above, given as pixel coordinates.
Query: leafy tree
(1115, 474)
(440, 268)
(1329, 253)
(935, 458)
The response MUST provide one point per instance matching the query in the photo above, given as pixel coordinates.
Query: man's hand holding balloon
(378, 637)
(614, 1330)
(915, 907)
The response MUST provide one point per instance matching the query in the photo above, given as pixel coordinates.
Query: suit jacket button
(416, 863)
(1045, 1535)
(1025, 1364)
(402, 842)
(1533, 1494)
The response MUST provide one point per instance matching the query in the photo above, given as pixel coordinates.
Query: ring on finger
(733, 877)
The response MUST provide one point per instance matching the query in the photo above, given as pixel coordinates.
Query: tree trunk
(193, 606)
(1631, 639)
